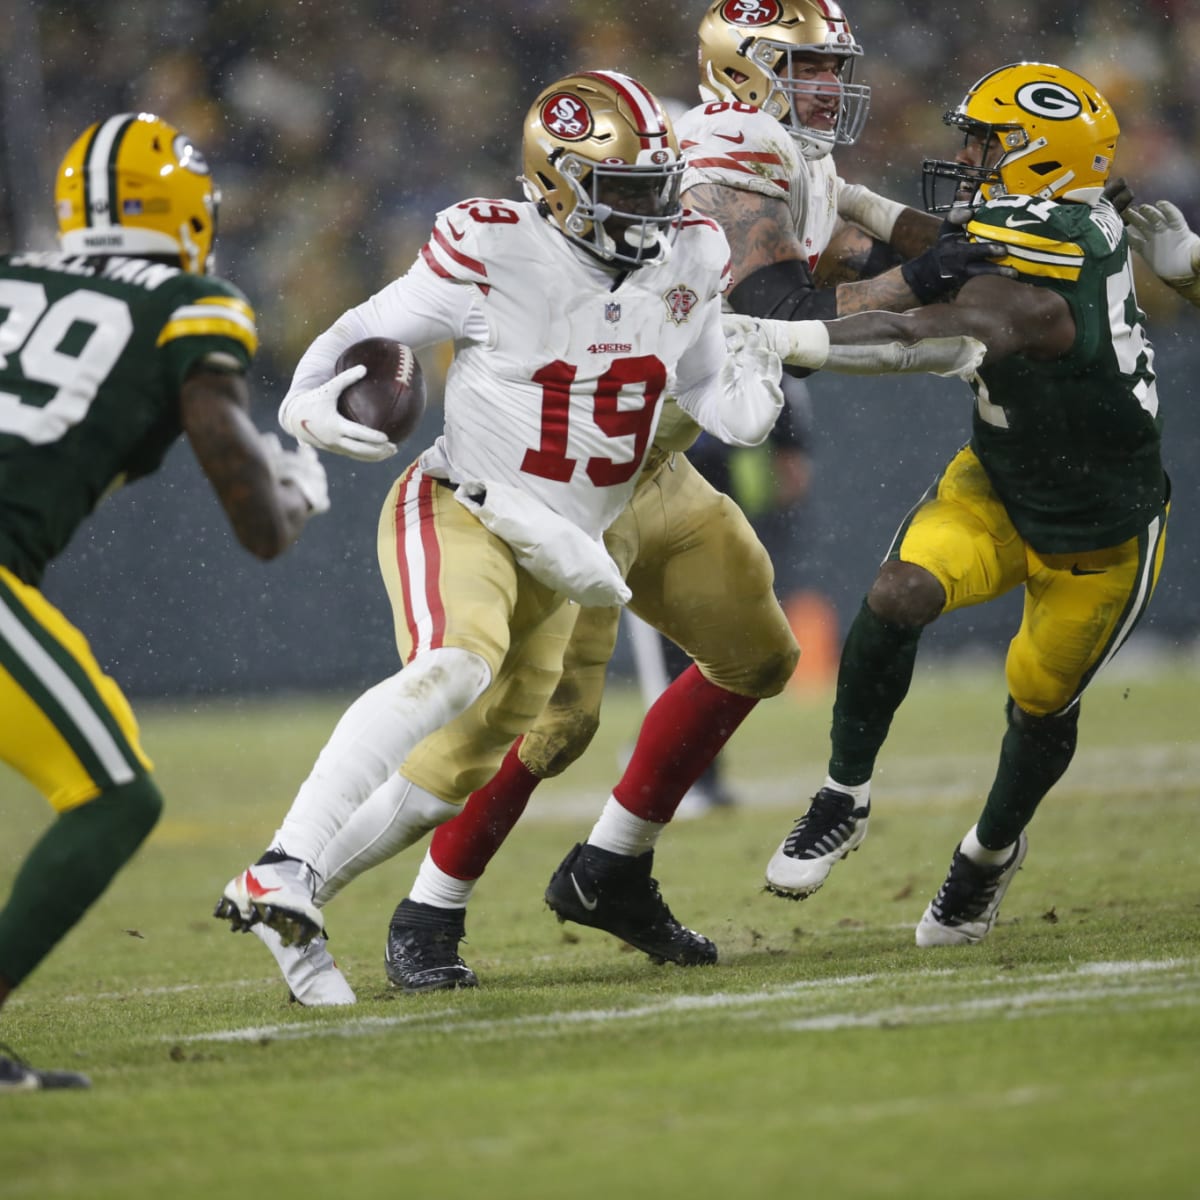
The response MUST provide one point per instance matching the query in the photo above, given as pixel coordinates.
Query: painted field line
(1133, 985)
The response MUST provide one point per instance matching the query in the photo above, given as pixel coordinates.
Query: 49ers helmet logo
(1049, 100)
(751, 12)
(567, 117)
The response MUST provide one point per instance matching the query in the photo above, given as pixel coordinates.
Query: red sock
(464, 846)
(680, 735)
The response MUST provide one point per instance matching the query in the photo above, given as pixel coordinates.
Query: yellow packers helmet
(135, 185)
(602, 163)
(1057, 136)
(746, 49)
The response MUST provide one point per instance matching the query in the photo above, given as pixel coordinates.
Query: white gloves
(313, 418)
(806, 344)
(1160, 234)
(300, 467)
(749, 383)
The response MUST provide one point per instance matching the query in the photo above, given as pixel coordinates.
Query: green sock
(873, 679)
(67, 870)
(1035, 753)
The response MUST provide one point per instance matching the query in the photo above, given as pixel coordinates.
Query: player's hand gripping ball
(390, 397)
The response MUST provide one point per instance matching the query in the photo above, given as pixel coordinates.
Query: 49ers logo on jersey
(751, 12)
(680, 301)
(567, 117)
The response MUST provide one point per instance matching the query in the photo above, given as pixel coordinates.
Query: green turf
(825, 1056)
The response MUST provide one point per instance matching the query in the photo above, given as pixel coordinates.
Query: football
(390, 397)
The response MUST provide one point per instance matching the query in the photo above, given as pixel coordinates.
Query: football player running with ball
(1061, 489)
(576, 313)
(778, 96)
(113, 347)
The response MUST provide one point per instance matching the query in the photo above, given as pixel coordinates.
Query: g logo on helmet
(1049, 100)
(751, 12)
(567, 117)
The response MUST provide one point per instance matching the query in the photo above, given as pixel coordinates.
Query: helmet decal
(567, 117)
(1049, 100)
(603, 165)
(189, 157)
(751, 12)
(747, 53)
(134, 184)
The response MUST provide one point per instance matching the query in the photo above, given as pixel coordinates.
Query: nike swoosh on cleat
(591, 904)
(254, 888)
(1078, 570)
(736, 139)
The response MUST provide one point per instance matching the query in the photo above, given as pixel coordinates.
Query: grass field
(825, 1056)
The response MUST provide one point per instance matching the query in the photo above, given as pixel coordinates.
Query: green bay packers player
(111, 348)
(1060, 491)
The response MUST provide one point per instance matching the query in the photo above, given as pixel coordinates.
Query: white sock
(434, 886)
(979, 853)
(394, 817)
(621, 832)
(373, 738)
(861, 792)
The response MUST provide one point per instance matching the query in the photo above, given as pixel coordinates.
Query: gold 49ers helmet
(135, 185)
(746, 49)
(1056, 137)
(602, 163)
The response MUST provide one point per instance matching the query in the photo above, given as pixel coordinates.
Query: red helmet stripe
(646, 109)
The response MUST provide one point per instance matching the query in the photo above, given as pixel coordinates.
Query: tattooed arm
(762, 238)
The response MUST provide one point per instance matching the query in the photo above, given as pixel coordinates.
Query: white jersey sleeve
(436, 301)
(739, 146)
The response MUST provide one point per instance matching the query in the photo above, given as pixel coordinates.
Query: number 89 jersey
(1072, 446)
(93, 353)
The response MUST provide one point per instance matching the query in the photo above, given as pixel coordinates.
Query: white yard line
(1165, 983)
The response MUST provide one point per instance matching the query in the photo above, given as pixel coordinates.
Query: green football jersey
(93, 353)
(1072, 447)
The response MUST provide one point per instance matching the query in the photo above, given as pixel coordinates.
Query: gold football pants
(1080, 608)
(453, 583)
(700, 576)
(64, 724)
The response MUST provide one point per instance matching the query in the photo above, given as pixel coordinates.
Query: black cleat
(16, 1075)
(616, 893)
(422, 949)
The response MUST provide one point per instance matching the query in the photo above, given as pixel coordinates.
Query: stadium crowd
(337, 132)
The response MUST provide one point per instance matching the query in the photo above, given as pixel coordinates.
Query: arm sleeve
(418, 309)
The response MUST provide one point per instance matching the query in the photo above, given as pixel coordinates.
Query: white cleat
(968, 902)
(279, 894)
(831, 828)
(310, 972)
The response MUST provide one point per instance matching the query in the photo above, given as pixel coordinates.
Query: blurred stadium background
(336, 132)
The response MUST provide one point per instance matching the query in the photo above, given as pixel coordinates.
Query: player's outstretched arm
(268, 492)
(1161, 235)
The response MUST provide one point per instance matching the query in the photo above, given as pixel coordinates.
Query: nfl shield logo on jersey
(680, 301)
(612, 312)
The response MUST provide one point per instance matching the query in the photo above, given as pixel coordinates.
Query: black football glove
(1119, 194)
(951, 261)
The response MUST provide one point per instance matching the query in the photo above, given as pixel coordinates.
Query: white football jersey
(740, 146)
(561, 367)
